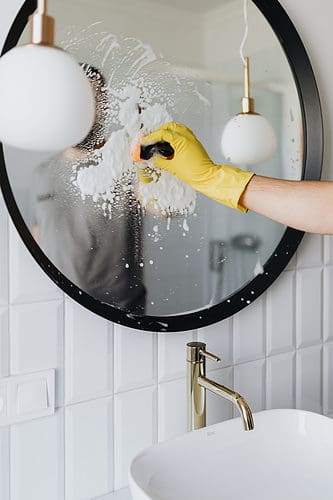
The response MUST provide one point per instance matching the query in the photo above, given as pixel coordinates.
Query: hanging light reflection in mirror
(46, 100)
(248, 138)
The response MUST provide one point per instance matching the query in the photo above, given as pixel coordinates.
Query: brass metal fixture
(197, 383)
(41, 26)
(247, 101)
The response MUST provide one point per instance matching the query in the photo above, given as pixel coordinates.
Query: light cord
(42, 6)
(246, 32)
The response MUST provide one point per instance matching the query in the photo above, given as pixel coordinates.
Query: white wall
(119, 390)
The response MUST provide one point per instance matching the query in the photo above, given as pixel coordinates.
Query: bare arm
(304, 205)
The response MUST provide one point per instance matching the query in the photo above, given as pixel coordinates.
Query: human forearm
(304, 205)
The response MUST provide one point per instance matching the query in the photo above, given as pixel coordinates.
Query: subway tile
(172, 355)
(37, 459)
(172, 409)
(328, 378)
(310, 252)
(309, 307)
(88, 354)
(280, 314)
(36, 340)
(135, 362)
(4, 255)
(281, 381)
(249, 381)
(328, 250)
(89, 449)
(327, 306)
(135, 429)
(249, 335)
(309, 379)
(4, 342)
(28, 282)
(4, 463)
(219, 409)
(219, 340)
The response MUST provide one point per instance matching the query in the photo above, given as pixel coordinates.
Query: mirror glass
(158, 249)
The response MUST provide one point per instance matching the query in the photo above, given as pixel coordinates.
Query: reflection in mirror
(158, 248)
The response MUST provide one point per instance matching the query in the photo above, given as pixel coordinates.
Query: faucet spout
(234, 397)
(198, 383)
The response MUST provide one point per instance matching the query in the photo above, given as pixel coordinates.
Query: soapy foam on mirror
(134, 110)
(168, 194)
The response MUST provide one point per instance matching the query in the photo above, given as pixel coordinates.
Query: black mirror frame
(313, 156)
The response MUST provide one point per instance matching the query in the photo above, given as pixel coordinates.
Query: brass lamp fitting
(247, 101)
(41, 26)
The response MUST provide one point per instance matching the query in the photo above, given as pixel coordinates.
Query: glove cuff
(228, 186)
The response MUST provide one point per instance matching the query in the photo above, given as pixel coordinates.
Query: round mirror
(158, 256)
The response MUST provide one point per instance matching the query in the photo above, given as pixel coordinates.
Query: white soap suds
(258, 269)
(185, 226)
(134, 111)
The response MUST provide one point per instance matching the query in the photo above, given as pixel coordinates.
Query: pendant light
(248, 138)
(46, 100)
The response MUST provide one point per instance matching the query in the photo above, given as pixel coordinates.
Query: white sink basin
(289, 455)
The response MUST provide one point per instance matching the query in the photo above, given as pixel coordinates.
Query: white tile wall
(280, 388)
(219, 409)
(172, 418)
(250, 382)
(36, 340)
(37, 459)
(309, 306)
(171, 355)
(249, 333)
(309, 390)
(4, 342)
(327, 378)
(28, 283)
(4, 259)
(311, 253)
(219, 340)
(121, 390)
(88, 354)
(135, 359)
(327, 303)
(281, 327)
(88, 449)
(135, 428)
(4, 463)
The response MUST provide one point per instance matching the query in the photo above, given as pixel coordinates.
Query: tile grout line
(10, 437)
(64, 393)
(114, 406)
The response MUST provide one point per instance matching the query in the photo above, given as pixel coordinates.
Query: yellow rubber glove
(191, 164)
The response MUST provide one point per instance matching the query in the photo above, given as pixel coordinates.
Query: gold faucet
(197, 383)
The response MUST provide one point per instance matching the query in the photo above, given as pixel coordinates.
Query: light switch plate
(26, 397)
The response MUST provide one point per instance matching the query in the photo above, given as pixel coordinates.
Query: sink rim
(295, 414)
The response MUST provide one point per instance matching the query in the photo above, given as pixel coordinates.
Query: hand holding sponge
(191, 163)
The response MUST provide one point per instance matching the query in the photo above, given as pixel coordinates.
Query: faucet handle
(210, 356)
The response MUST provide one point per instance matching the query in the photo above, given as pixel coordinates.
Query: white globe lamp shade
(248, 139)
(46, 100)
